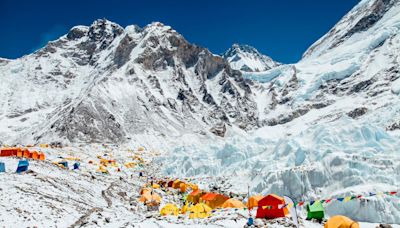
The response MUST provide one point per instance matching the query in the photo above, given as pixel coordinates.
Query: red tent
(268, 207)
(6, 152)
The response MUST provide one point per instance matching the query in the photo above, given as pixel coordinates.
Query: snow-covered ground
(50, 196)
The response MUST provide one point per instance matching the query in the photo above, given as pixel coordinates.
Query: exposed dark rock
(357, 112)
(219, 130)
(123, 51)
(77, 33)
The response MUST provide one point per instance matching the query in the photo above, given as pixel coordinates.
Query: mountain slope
(248, 59)
(106, 83)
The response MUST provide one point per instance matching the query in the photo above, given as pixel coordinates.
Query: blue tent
(22, 166)
(2, 167)
(76, 165)
(63, 163)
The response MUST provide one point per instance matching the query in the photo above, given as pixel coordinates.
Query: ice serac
(248, 59)
(104, 83)
(329, 124)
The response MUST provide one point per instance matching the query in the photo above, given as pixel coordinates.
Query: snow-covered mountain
(106, 83)
(248, 59)
(326, 126)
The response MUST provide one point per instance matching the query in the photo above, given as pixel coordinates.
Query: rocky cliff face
(105, 83)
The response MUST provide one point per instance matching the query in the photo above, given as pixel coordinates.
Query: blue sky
(282, 29)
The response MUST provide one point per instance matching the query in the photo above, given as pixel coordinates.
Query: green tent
(315, 211)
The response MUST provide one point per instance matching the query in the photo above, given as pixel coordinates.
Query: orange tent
(233, 203)
(144, 190)
(19, 152)
(253, 201)
(177, 184)
(27, 154)
(35, 155)
(213, 200)
(150, 198)
(340, 221)
(42, 156)
(183, 187)
(268, 207)
(194, 197)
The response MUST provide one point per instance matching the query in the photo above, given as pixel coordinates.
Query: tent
(200, 210)
(340, 221)
(155, 186)
(2, 167)
(194, 196)
(169, 209)
(63, 164)
(148, 197)
(7, 152)
(194, 187)
(22, 166)
(177, 184)
(19, 153)
(233, 203)
(170, 183)
(253, 201)
(213, 200)
(183, 187)
(185, 208)
(315, 211)
(76, 165)
(35, 155)
(42, 156)
(26, 154)
(268, 207)
(102, 169)
(144, 190)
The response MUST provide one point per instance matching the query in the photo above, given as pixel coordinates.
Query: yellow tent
(44, 145)
(340, 221)
(155, 186)
(169, 209)
(141, 148)
(253, 201)
(194, 187)
(200, 210)
(130, 165)
(233, 203)
(102, 169)
(185, 208)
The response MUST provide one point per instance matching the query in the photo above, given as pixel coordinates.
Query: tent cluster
(198, 203)
(22, 153)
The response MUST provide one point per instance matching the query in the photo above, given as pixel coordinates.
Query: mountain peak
(248, 59)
